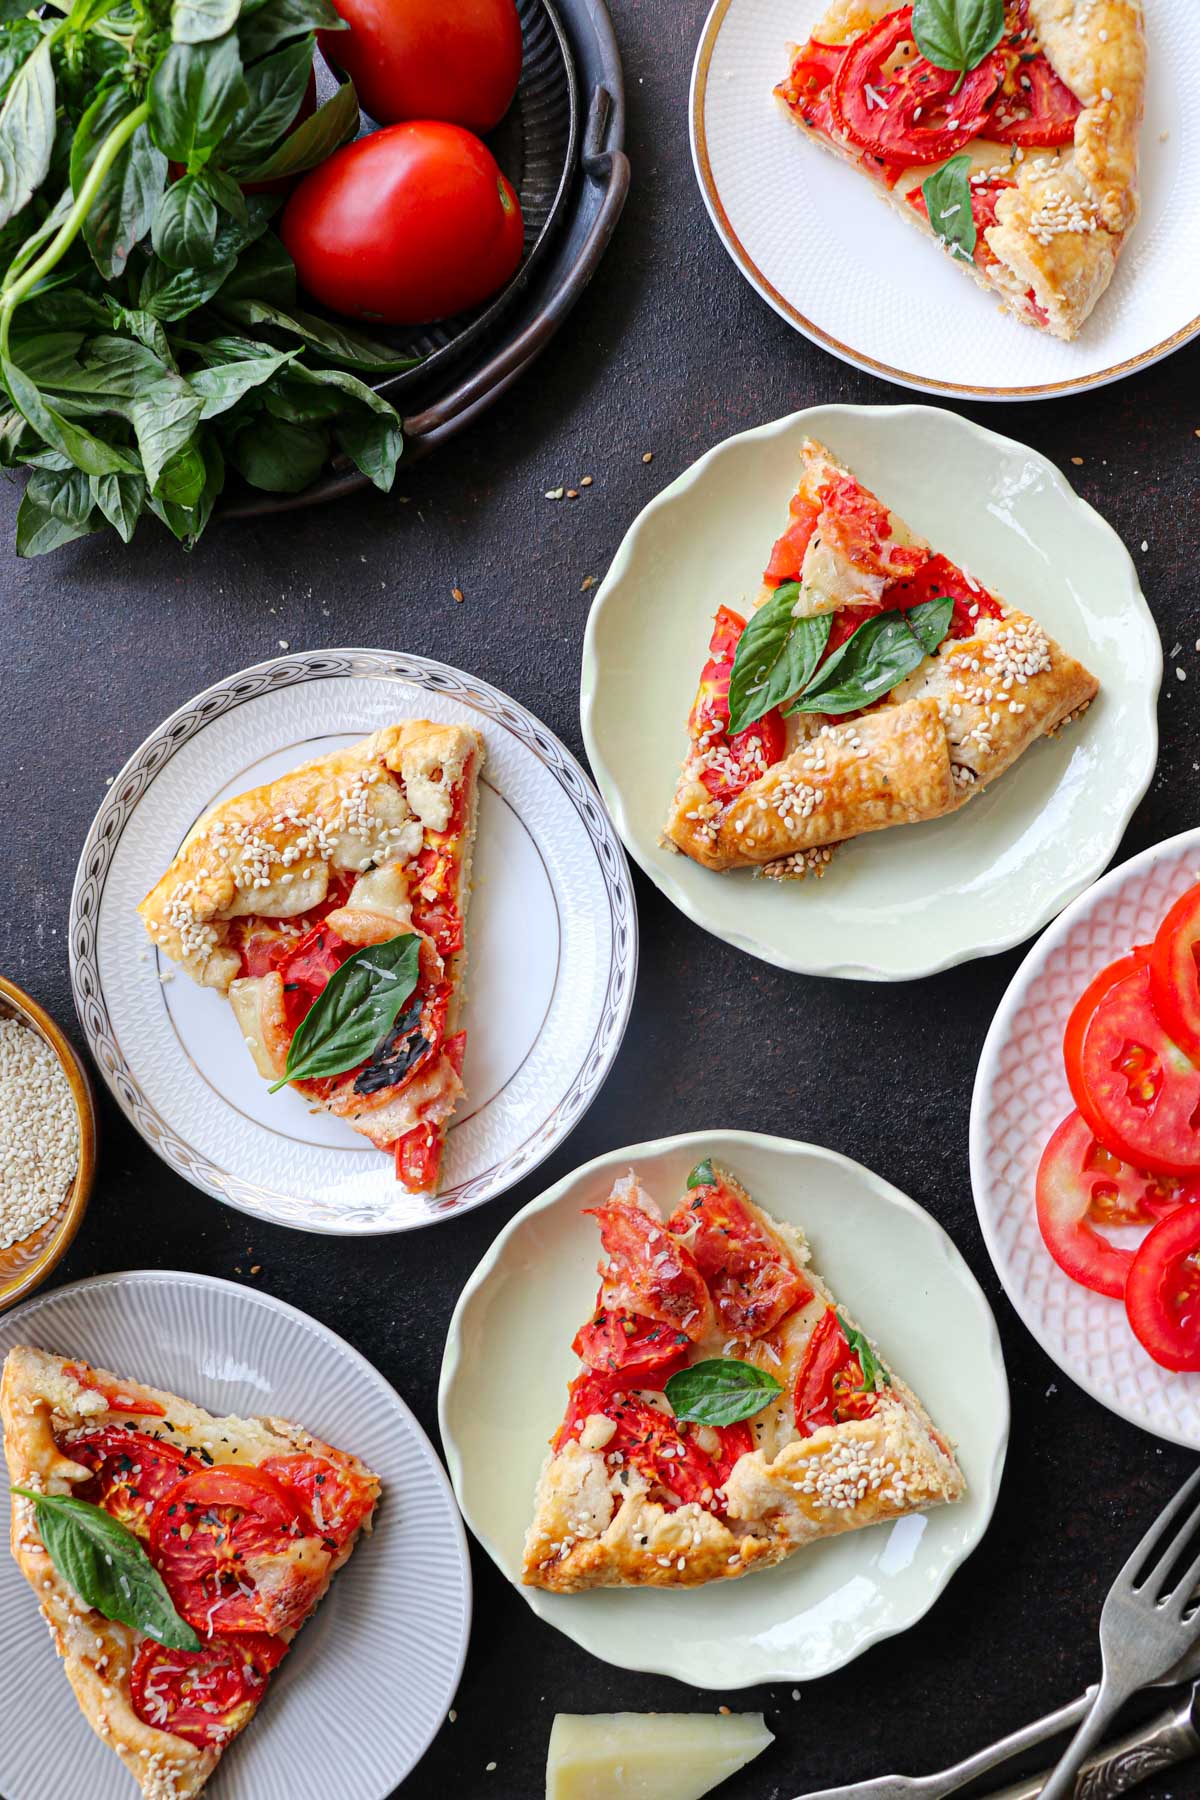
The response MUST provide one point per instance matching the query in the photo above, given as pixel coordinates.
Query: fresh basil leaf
(196, 21)
(222, 385)
(121, 499)
(108, 1568)
(930, 621)
(948, 202)
(47, 356)
(366, 426)
(957, 34)
(279, 457)
(171, 294)
(276, 86)
(775, 657)
(144, 327)
(185, 224)
(27, 126)
(33, 243)
(265, 272)
(337, 343)
(181, 478)
(355, 1010)
(374, 443)
(720, 1391)
(317, 138)
(875, 1376)
(873, 660)
(16, 45)
(86, 451)
(703, 1175)
(120, 214)
(187, 522)
(120, 375)
(265, 24)
(39, 528)
(197, 90)
(226, 192)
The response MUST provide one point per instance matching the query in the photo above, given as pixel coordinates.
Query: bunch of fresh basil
(150, 338)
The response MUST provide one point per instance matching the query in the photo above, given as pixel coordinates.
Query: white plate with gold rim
(508, 1360)
(907, 902)
(810, 235)
(552, 943)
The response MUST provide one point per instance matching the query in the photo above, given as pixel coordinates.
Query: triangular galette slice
(245, 1520)
(1024, 165)
(876, 683)
(718, 1310)
(275, 891)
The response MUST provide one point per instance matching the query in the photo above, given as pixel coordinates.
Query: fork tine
(1188, 1492)
(1184, 1590)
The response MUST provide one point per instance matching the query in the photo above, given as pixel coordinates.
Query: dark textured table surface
(668, 352)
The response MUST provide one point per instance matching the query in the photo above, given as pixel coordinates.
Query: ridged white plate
(551, 939)
(918, 898)
(360, 1697)
(1021, 1093)
(895, 1270)
(821, 247)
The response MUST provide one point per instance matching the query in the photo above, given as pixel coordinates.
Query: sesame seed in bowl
(47, 1143)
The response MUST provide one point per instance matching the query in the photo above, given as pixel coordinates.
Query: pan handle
(609, 168)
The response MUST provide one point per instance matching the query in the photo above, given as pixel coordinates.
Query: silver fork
(1144, 1628)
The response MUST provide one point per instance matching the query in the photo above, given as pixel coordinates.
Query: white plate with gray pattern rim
(1021, 1093)
(400, 1607)
(543, 1025)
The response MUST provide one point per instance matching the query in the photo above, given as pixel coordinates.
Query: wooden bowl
(26, 1264)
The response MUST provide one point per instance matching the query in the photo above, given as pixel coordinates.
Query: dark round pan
(572, 176)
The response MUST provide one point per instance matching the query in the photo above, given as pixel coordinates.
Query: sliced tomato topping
(829, 1382)
(224, 1541)
(644, 1352)
(306, 969)
(807, 86)
(854, 522)
(204, 1696)
(667, 1452)
(117, 1398)
(900, 109)
(787, 558)
(752, 1283)
(131, 1472)
(418, 1155)
(1035, 105)
(645, 1270)
(1080, 1185)
(731, 763)
(334, 1495)
(434, 878)
(1162, 1293)
(1137, 1090)
(268, 942)
(1175, 972)
(937, 577)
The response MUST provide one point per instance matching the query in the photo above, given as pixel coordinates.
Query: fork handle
(1109, 1699)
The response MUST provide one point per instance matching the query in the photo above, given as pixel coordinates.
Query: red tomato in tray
(458, 60)
(1162, 1294)
(1081, 1184)
(1175, 972)
(410, 224)
(1137, 1090)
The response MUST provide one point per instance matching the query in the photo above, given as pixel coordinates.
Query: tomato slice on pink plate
(1162, 1294)
(1175, 972)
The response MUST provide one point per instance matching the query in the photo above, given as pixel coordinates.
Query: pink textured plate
(1020, 1095)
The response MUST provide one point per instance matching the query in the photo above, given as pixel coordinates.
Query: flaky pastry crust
(1060, 229)
(39, 1398)
(596, 1525)
(956, 723)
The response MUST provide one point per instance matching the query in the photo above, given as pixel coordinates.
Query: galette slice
(330, 907)
(175, 1555)
(726, 1411)
(1023, 163)
(875, 683)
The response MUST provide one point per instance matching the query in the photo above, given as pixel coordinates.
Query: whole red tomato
(410, 224)
(458, 60)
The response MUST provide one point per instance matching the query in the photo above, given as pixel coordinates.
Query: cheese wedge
(649, 1756)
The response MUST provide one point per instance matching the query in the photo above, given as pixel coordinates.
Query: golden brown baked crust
(1060, 229)
(956, 723)
(596, 1525)
(39, 1395)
